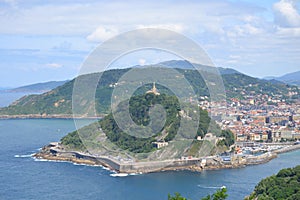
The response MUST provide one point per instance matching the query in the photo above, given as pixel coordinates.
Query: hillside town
(258, 118)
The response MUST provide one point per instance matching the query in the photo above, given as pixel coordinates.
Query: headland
(55, 151)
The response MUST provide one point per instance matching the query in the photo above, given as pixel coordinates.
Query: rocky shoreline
(55, 152)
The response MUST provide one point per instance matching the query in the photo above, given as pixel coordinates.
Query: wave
(119, 175)
(45, 160)
(211, 187)
(77, 164)
(59, 161)
(135, 174)
(105, 168)
(124, 174)
(24, 156)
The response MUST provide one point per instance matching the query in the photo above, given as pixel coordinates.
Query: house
(287, 134)
(160, 144)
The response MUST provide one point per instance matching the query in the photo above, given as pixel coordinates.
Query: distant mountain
(276, 81)
(183, 64)
(38, 87)
(4, 88)
(290, 78)
(59, 100)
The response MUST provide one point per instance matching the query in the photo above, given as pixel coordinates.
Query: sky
(49, 40)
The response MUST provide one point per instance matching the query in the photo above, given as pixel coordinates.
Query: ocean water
(22, 177)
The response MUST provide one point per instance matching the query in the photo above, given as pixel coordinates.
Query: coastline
(54, 152)
(50, 116)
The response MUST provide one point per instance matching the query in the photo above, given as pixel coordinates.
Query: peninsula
(103, 143)
(256, 120)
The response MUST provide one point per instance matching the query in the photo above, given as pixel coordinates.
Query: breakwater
(55, 152)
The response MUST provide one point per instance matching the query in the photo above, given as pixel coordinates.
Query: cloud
(224, 27)
(286, 13)
(289, 32)
(172, 27)
(244, 30)
(102, 33)
(54, 65)
(142, 61)
(82, 18)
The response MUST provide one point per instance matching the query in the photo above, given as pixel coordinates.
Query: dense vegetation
(283, 186)
(38, 87)
(59, 100)
(73, 141)
(139, 109)
(229, 138)
(218, 195)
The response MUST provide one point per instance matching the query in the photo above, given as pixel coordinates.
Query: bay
(22, 177)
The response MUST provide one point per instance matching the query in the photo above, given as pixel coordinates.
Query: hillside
(59, 100)
(139, 107)
(38, 87)
(285, 185)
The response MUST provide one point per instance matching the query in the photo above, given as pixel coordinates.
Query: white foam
(45, 160)
(23, 156)
(78, 164)
(81, 164)
(211, 187)
(135, 174)
(124, 174)
(119, 175)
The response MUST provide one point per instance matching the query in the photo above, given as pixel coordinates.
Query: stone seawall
(153, 166)
(266, 157)
(287, 149)
(56, 152)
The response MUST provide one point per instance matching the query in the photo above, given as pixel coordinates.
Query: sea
(23, 177)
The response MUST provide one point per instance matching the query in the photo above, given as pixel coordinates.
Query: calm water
(24, 178)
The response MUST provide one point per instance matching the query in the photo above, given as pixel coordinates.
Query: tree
(176, 197)
(218, 195)
(284, 185)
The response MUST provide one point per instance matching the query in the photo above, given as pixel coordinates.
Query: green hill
(59, 100)
(283, 186)
(38, 87)
(139, 107)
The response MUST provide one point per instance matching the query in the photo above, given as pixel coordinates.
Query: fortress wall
(153, 166)
(109, 163)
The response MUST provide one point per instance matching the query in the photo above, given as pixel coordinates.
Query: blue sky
(49, 40)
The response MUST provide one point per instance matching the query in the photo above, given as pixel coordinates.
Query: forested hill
(141, 142)
(283, 186)
(59, 100)
(38, 87)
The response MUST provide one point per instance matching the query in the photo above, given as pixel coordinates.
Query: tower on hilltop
(153, 90)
